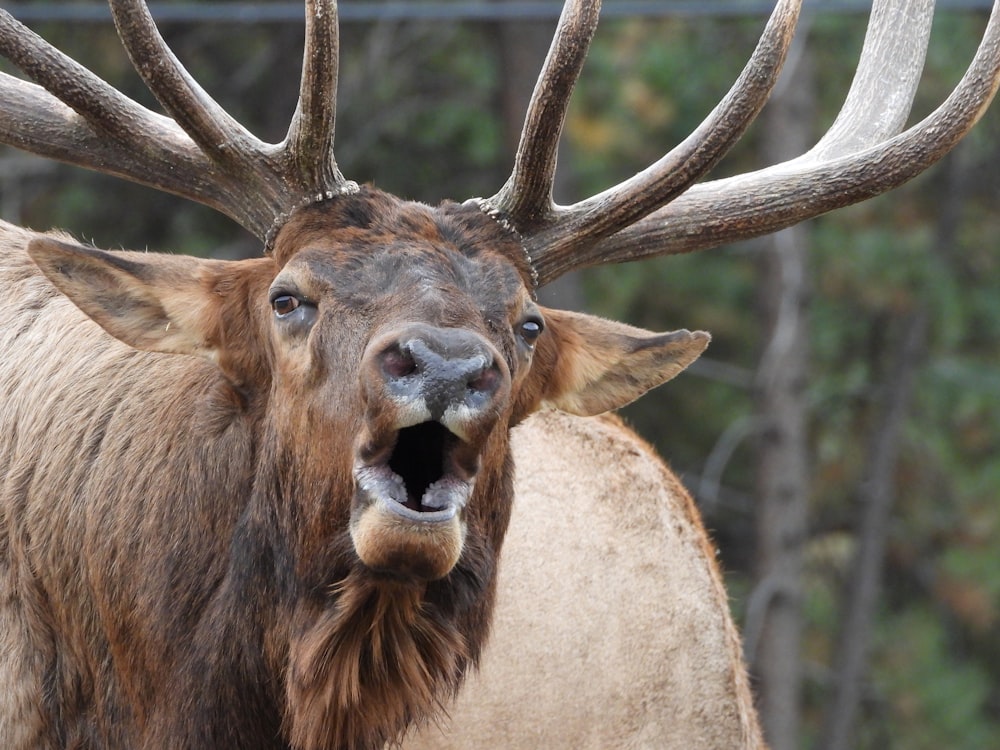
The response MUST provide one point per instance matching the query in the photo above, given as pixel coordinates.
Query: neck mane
(364, 668)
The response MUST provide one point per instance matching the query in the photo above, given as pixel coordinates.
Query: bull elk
(290, 536)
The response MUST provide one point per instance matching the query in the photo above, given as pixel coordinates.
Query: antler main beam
(862, 155)
(87, 122)
(201, 153)
(837, 173)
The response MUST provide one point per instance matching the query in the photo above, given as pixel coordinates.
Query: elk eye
(531, 329)
(284, 304)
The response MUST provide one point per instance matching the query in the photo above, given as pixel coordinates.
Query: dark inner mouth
(419, 459)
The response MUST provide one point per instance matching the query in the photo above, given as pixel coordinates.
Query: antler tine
(309, 144)
(868, 116)
(217, 134)
(269, 188)
(597, 217)
(202, 153)
(280, 178)
(526, 198)
(549, 230)
(80, 119)
(859, 158)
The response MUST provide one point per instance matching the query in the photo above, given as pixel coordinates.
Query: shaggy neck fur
(369, 655)
(365, 668)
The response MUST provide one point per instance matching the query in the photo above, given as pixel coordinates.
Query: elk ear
(600, 365)
(150, 301)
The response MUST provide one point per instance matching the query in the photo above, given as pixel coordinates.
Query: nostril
(427, 372)
(486, 381)
(396, 363)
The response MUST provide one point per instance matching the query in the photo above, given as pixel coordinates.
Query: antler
(202, 153)
(660, 211)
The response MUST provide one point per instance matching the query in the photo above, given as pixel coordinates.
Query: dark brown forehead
(372, 218)
(373, 244)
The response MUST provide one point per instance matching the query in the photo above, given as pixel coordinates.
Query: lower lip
(419, 516)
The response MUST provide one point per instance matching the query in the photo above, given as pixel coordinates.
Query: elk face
(438, 347)
(392, 347)
(401, 331)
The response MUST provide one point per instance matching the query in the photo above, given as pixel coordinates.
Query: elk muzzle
(432, 398)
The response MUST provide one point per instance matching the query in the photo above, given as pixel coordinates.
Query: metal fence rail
(281, 11)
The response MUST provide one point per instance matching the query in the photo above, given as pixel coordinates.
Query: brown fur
(176, 566)
(348, 663)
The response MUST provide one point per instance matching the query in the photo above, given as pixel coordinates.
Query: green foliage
(935, 707)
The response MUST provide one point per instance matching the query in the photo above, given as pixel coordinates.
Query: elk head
(391, 346)
(401, 339)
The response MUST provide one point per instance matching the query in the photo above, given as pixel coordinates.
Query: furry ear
(150, 301)
(598, 365)
(174, 304)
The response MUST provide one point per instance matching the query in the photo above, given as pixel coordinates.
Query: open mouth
(418, 459)
(424, 477)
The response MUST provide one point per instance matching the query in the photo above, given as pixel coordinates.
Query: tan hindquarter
(612, 627)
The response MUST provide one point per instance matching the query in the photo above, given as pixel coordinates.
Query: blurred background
(841, 436)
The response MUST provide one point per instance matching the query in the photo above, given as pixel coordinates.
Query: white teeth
(381, 481)
(448, 490)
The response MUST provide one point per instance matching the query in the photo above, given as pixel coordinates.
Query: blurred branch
(720, 371)
(731, 438)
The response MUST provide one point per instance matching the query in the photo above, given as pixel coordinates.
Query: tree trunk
(774, 619)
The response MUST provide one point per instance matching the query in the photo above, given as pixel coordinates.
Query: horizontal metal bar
(430, 10)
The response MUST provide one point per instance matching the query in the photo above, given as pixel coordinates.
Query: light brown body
(611, 629)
